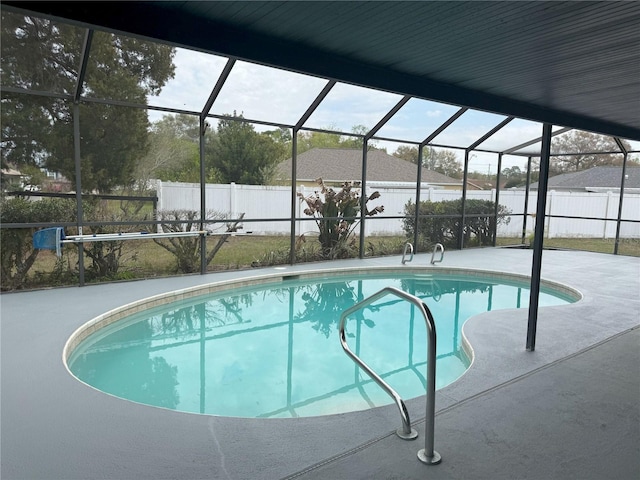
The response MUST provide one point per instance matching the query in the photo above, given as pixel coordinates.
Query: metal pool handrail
(407, 246)
(437, 246)
(427, 455)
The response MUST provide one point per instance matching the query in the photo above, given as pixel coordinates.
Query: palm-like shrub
(337, 214)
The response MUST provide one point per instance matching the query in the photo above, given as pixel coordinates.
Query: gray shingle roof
(345, 164)
(596, 177)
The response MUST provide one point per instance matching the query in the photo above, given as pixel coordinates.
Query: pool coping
(108, 318)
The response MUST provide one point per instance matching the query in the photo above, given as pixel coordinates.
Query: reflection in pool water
(273, 350)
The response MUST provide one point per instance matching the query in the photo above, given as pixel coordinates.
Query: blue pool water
(273, 350)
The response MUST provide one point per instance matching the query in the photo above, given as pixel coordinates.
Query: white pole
(141, 236)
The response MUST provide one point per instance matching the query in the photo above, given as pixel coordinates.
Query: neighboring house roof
(595, 179)
(345, 164)
(11, 172)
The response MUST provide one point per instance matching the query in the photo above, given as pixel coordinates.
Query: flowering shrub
(337, 214)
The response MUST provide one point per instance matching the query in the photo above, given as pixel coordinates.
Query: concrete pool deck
(569, 410)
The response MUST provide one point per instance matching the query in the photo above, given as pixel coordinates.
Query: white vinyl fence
(260, 203)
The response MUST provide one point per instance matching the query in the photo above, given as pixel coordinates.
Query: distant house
(10, 178)
(337, 165)
(596, 179)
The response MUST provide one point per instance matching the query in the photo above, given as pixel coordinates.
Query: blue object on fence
(49, 239)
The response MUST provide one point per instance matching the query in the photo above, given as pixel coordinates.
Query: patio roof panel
(567, 63)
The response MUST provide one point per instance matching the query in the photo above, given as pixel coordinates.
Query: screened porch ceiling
(479, 76)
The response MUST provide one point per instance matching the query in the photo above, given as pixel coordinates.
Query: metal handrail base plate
(434, 460)
(407, 436)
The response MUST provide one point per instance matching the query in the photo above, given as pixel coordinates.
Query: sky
(269, 94)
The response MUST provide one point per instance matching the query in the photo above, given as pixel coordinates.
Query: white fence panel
(266, 202)
(513, 200)
(630, 211)
(587, 204)
(274, 202)
(255, 201)
(178, 196)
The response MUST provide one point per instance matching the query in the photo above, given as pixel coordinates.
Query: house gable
(337, 165)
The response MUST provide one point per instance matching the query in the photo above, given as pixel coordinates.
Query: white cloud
(195, 76)
(270, 94)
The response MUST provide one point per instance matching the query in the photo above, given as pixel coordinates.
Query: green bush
(17, 254)
(106, 257)
(187, 249)
(439, 222)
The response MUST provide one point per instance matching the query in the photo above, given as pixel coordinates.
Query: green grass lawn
(146, 259)
(629, 247)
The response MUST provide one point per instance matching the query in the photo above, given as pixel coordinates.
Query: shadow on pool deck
(569, 410)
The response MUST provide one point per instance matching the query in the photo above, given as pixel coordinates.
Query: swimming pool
(271, 349)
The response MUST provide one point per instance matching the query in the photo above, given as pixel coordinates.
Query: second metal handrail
(427, 455)
(437, 246)
(408, 246)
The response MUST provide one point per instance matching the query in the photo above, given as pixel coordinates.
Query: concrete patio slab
(570, 409)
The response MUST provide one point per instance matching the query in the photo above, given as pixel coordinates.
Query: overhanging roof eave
(150, 20)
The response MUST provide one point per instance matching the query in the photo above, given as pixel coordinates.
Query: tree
(33, 175)
(242, 155)
(309, 140)
(513, 177)
(280, 135)
(42, 55)
(441, 161)
(511, 172)
(183, 127)
(585, 145)
(446, 162)
(282, 140)
(113, 138)
(410, 154)
(173, 153)
(327, 139)
(356, 142)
